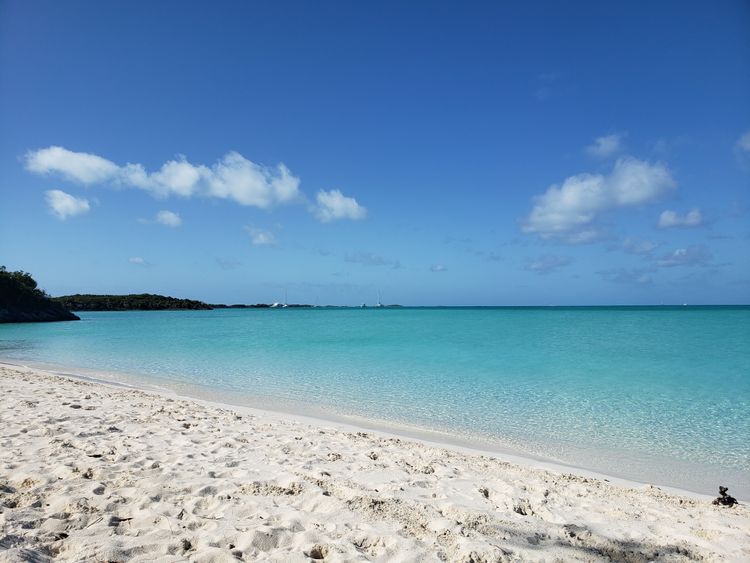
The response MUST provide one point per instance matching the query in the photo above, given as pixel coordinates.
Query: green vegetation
(21, 300)
(133, 302)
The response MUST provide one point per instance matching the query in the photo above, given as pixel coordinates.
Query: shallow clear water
(651, 393)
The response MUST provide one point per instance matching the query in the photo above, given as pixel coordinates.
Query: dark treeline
(21, 300)
(134, 302)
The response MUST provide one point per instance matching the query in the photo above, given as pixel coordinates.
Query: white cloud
(669, 219)
(605, 146)
(78, 166)
(568, 211)
(632, 245)
(169, 218)
(743, 143)
(370, 259)
(247, 183)
(695, 255)
(585, 236)
(138, 260)
(547, 264)
(64, 205)
(175, 177)
(259, 237)
(640, 276)
(334, 205)
(438, 268)
(742, 149)
(233, 177)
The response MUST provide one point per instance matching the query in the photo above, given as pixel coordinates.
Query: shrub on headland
(21, 300)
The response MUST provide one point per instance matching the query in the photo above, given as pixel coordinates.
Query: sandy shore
(98, 472)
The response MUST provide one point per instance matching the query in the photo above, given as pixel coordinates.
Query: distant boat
(278, 305)
(379, 304)
(363, 306)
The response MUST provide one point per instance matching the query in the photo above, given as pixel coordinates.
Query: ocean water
(655, 394)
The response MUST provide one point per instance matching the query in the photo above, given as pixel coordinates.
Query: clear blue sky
(439, 152)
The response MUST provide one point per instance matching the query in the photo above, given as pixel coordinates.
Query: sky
(435, 153)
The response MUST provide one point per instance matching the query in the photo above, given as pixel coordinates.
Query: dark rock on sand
(724, 499)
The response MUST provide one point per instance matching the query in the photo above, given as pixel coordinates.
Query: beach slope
(98, 472)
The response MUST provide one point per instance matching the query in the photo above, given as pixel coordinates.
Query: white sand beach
(98, 472)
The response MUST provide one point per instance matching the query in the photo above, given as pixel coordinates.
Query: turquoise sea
(655, 394)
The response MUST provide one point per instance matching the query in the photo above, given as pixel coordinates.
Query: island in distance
(132, 302)
(22, 301)
(153, 302)
(149, 302)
